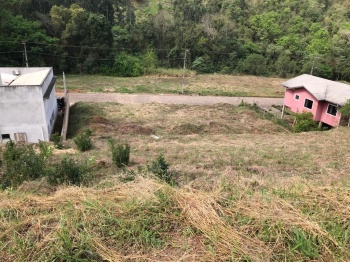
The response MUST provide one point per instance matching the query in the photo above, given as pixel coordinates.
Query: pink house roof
(320, 88)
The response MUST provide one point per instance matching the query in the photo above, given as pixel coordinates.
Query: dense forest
(133, 37)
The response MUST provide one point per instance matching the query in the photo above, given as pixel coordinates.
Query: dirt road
(171, 99)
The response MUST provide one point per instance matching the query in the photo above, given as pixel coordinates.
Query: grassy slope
(224, 85)
(247, 190)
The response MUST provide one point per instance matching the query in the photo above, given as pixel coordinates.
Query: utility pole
(64, 87)
(25, 54)
(183, 72)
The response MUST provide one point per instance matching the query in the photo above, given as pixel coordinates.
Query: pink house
(321, 97)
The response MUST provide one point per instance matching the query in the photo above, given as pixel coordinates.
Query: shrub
(83, 141)
(203, 64)
(57, 140)
(160, 168)
(69, 172)
(45, 150)
(120, 153)
(304, 122)
(127, 65)
(254, 64)
(22, 163)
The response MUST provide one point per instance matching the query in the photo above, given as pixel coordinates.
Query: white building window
(5, 136)
(21, 137)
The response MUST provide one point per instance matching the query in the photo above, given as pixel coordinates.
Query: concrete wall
(21, 112)
(47, 81)
(24, 110)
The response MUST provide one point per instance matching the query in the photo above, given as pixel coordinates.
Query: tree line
(131, 38)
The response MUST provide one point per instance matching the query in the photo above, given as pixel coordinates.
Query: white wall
(21, 112)
(50, 109)
(24, 110)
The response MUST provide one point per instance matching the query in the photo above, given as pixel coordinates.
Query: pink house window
(308, 103)
(332, 110)
(296, 97)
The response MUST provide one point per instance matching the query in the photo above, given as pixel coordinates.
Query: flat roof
(31, 79)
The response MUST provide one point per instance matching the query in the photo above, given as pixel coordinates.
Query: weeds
(160, 168)
(22, 163)
(304, 122)
(73, 248)
(304, 243)
(83, 141)
(57, 140)
(252, 195)
(120, 153)
(70, 173)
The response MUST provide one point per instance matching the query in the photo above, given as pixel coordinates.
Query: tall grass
(147, 220)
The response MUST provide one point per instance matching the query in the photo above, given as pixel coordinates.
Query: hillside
(245, 189)
(134, 38)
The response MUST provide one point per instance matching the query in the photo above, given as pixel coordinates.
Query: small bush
(83, 141)
(120, 153)
(22, 163)
(304, 122)
(57, 140)
(69, 172)
(45, 150)
(160, 168)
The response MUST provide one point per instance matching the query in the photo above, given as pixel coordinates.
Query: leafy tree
(127, 65)
(87, 37)
(16, 29)
(254, 64)
(203, 64)
(345, 110)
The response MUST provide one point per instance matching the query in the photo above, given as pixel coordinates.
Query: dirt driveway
(171, 99)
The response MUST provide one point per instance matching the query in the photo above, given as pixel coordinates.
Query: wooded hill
(131, 38)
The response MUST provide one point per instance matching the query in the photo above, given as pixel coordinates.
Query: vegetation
(345, 109)
(83, 140)
(131, 38)
(304, 122)
(213, 84)
(69, 172)
(120, 153)
(57, 140)
(160, 168)
(21, 163)
(247, 189)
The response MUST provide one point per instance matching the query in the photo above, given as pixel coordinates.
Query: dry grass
(225, 85)
(248, 191)
(195, 225)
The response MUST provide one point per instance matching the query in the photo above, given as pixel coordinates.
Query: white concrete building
(28, 104)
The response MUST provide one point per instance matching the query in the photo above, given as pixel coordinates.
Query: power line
(114, 48)
(86, 47)
(99, 59)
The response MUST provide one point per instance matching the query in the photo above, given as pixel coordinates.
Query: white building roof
(320, 88)
(6, 78)
(31, 79)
